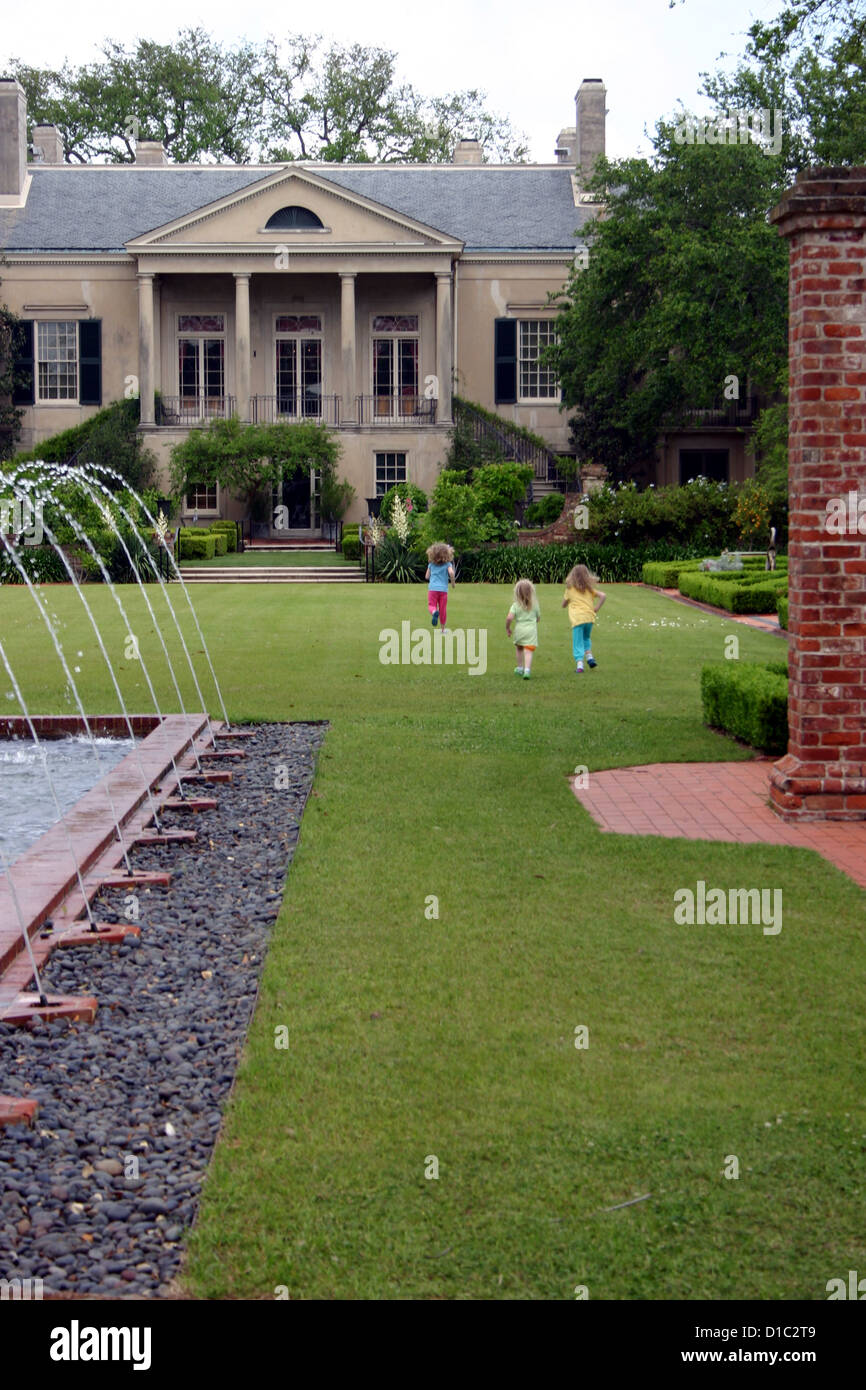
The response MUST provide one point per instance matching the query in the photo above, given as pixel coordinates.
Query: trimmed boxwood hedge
(351, 547)
(196, 544)
(749, 701)
(747, 597)
(664, 574)
(230, 530)
(782, 610)
(220, 542)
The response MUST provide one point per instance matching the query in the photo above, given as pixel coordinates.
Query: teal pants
(581, 640)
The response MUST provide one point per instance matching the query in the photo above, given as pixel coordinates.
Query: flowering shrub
(701, 512)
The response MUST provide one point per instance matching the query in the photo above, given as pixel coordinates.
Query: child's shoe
(518, 670)
(435, 618)
(526, 675)
(591, 662)
(579, 668)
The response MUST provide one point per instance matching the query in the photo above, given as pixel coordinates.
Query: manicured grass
(413, 1036)
(247, 558)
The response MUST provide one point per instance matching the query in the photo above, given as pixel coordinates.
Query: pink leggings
(438, 598)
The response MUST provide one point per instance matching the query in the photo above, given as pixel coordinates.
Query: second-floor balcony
(193, 410)
(403, 409)
(311, 407)
(722, 414)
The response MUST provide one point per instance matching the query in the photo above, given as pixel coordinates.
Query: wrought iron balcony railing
(286, 409)
(193, 410)
(396, 410)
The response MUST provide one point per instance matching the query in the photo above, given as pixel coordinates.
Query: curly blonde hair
(581, 578)
(440, 554)
(524, 594)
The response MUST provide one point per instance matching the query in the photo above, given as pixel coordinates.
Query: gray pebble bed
(142, 1089)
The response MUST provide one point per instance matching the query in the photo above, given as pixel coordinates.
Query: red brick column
(823, 775)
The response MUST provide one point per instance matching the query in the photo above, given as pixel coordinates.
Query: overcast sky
(528, 55)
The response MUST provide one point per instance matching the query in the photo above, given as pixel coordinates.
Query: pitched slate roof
(488, 208)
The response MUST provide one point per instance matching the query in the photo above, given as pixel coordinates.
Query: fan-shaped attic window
(292, 219)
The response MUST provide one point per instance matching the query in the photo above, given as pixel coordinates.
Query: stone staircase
(271, 574)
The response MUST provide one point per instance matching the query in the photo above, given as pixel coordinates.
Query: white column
(347, 338)
(145, 347)
(242, 346)
(444, 345)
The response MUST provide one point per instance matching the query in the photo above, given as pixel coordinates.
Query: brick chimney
(150, 152)
(468, 152)
(48, 144)
(590, 113)
(13, 141)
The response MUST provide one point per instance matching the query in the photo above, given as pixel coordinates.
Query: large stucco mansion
(364, 296)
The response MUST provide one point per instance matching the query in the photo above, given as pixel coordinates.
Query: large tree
(809, 64)
(293, 99)
(685, 289)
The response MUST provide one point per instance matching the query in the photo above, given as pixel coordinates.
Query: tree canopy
(246, 459)
(278, 100)
(685, 289)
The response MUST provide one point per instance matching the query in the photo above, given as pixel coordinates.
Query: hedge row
(782, 610)
(749, 701)
(614, 563)
(758, 597)
(194, 544)
(665, 574)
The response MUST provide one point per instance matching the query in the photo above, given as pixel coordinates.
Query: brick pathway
(714, 801)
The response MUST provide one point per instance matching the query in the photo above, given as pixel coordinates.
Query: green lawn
(272, 557)
(413, 1037)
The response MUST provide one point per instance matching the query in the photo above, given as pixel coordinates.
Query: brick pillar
(823, 775)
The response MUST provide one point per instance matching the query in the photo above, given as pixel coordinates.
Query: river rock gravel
(97, 1196)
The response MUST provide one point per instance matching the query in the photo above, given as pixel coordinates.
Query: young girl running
(524, 613)
(439, 571)
(580, 596)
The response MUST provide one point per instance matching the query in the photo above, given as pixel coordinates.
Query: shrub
(782, 610)
(545, 511)
(110, 437)
(230, 530)
(396, 563)
(220, 542)
(749, 701)
(196, 545)
(351, 547)
(757, 596)
(404, 490)
(499, 487)
(549, 564)
(41, 564)
(699, 514)
(664, 574)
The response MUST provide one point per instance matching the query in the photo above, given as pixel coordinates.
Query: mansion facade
(363, 296)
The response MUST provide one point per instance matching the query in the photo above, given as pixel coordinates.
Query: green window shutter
(505, 361)
(23, 370)
(90, 362)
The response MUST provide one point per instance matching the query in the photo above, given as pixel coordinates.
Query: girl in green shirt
(524, 613)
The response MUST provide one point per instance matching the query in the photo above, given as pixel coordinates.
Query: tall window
(298, 369)
(395, 364)
(390, 469)
(201, 363)
(57, 361)
(537, 382)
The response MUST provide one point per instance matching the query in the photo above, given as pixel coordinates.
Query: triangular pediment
(239, 221)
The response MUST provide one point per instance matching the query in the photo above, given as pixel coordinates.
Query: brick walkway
(714, 801)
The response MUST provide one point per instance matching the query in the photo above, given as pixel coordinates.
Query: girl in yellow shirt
(580, 600)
